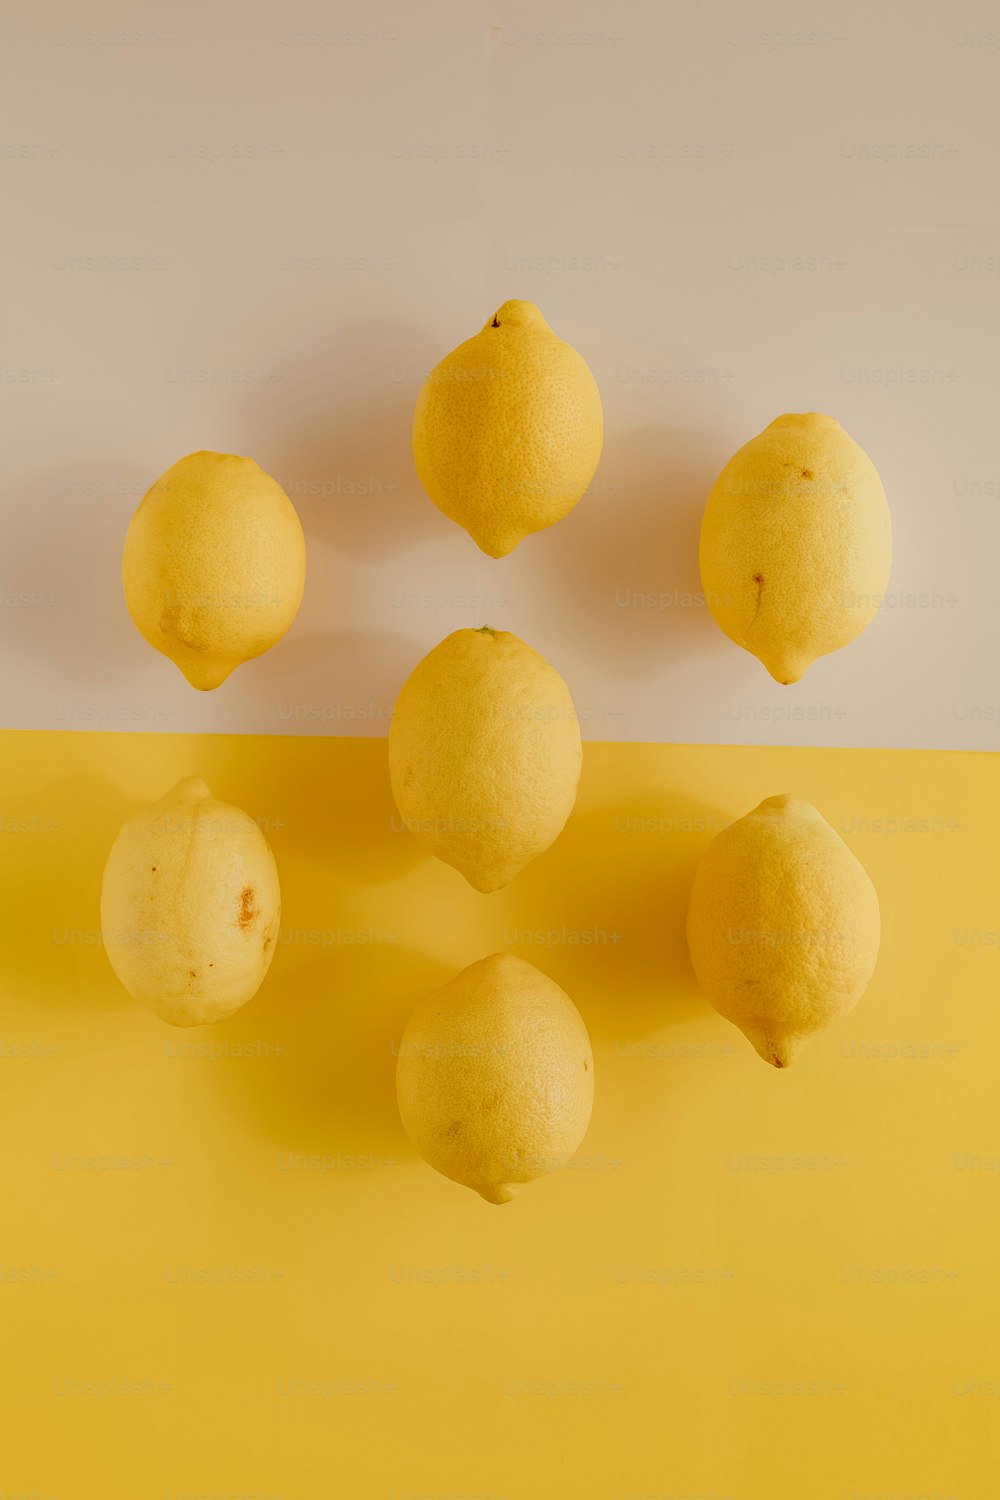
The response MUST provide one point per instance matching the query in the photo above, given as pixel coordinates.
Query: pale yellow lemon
(190, 906)
(484, 754)
(783, 926)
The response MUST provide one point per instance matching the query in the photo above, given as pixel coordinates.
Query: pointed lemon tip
(785, 673)
(494, 546)
(485, 883)
(779, 803)
(805, 419)
(202, 675)
(517, 314)
(498, 1192)
(779, 1051)
(190, 789)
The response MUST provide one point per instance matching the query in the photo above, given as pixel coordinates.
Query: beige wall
(730, 215)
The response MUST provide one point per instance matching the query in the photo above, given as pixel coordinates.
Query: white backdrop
(258, 237)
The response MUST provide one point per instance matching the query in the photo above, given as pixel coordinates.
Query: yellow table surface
(225, 1272)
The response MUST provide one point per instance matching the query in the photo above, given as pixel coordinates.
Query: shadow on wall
(79, 631)
(620, 573)
(84, 634)
(336, 436)
(334, 682)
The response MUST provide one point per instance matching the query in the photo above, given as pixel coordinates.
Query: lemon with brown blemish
(214, 565)
(796, 543)
(190, 906)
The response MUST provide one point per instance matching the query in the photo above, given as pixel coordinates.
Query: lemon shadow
(609, 926)
(51, 954)
(333, 682)
(320, 1040)
(84, 635)
(620, 573)
(336, 434)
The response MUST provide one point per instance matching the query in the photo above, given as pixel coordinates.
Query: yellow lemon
(190, 906)
(783, 926)
(508, 429)
(214, 565)
(485, 754)
(796, 543)
(495, 1077)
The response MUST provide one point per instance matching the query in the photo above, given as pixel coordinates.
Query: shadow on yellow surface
(738, 1270)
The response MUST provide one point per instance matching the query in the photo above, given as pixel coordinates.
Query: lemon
(796, 543)
(190, 906)
(495, 1077)
(484, 754)
(783, 926)
(214, 565)
(508, 429)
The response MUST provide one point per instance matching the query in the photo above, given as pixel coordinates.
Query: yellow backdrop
(225, 1272)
